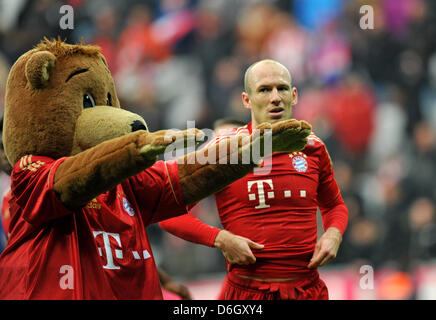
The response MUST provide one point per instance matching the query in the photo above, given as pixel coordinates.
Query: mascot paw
(288, 135)
(152, 144)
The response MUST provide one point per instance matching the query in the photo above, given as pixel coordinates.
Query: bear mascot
(86, 180)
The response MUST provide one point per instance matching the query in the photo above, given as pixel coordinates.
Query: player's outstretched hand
(236, 249)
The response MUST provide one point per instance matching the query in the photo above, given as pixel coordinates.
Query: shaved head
(251, 70)
(268, 92)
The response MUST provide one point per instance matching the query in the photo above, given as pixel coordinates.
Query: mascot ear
(38, 69)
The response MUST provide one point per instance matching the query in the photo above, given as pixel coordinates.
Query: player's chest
(289, 180)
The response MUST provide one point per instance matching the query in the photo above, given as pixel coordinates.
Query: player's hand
(236, 249)
(326, 248)
(178, 289)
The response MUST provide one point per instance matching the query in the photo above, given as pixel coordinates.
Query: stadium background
(369, 94)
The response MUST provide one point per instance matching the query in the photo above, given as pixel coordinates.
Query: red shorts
(237, 288)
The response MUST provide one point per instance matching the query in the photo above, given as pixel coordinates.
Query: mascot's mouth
(137, 125)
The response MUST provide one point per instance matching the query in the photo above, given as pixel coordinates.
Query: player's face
(271, 97)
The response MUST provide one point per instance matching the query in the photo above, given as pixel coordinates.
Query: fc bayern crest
(299, 163)
(128, 207)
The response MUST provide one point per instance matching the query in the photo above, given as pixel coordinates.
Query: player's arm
(334, 214)
(334, 221)
(236, 249)
(189, 228)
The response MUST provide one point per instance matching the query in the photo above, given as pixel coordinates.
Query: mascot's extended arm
(89, 173)
(82, 177)
(287, 136)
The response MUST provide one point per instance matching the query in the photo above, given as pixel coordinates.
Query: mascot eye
(109, 99)
(88, 101)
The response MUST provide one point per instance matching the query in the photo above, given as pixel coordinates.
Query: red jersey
(100, 251)
(276, 206)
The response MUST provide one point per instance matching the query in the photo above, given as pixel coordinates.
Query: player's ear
(246, 100)
(294, 96)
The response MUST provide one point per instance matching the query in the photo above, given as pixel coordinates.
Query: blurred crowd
(370, 95)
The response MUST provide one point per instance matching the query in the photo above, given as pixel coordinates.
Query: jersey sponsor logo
(299, 162)
(261, 193)
(128, 207)
(265, 190)
(93, 204)
(110, 248)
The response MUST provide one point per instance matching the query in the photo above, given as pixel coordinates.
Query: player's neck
(254, 124)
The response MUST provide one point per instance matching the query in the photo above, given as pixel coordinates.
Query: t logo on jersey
(261, 192)
(108, 250)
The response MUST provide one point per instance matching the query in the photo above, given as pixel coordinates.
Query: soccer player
(275, 206)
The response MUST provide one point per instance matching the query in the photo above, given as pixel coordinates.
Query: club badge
(299, 162)
(128, 207)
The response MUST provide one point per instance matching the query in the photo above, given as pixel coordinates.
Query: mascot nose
(137, 125)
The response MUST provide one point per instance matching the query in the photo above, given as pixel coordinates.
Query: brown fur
(38, 69)
(42, 121)
(61, 49)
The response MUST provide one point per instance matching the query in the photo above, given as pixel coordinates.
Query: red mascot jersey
(100, 251)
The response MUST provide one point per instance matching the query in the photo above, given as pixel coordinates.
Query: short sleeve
(32, 189)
